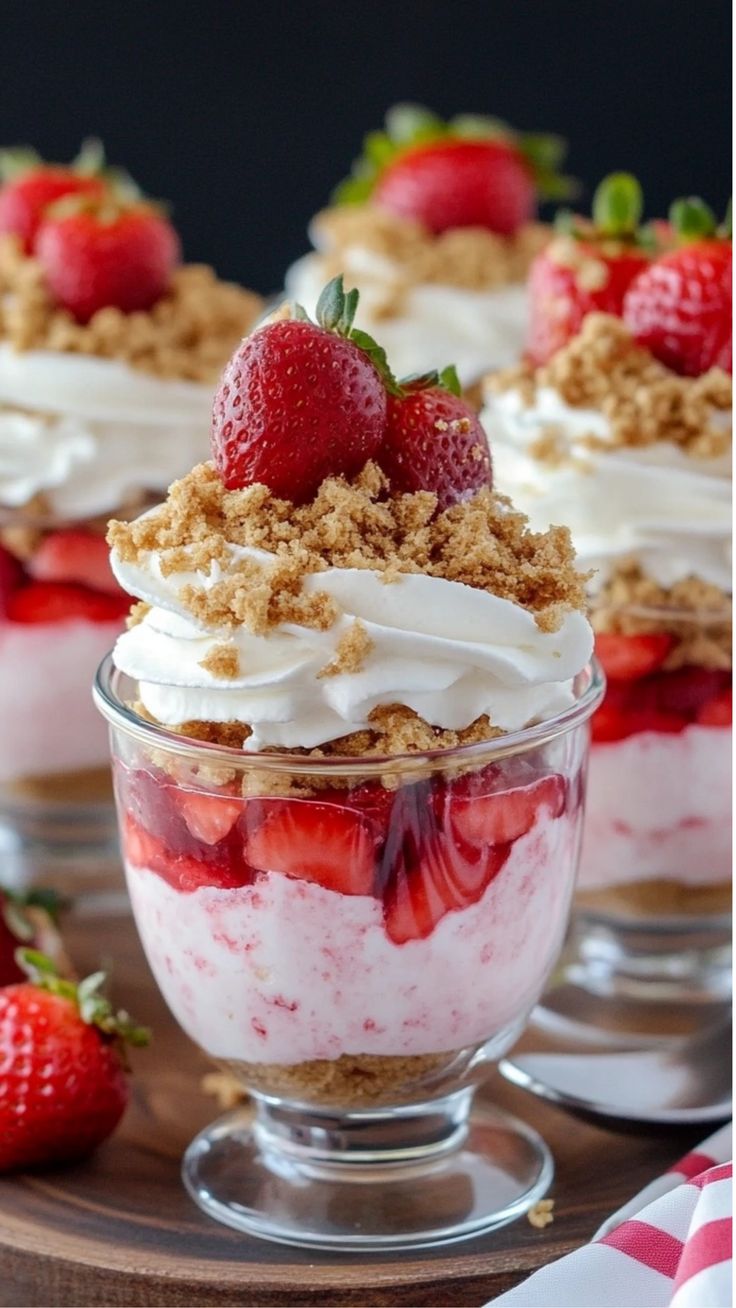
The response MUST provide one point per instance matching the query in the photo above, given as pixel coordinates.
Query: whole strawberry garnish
(96, 253)
(470, 172)
(29, 185)
(63, 1076)
(588, 266)
(680, 307)
(300, 401)
(29, 918)
(434, 441)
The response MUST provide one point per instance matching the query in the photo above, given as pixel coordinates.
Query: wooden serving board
(120, 1229)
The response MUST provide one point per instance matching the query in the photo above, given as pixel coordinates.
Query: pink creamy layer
(49, 721)
(285, 971)
(659, 806)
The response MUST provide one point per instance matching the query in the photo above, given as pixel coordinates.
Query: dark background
(244, 114)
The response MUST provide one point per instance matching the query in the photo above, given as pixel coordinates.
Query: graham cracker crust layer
(658, 898)
(351, 1081)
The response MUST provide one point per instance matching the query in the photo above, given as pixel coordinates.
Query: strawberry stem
(94, 1008)
(618, 204)
(692, 219)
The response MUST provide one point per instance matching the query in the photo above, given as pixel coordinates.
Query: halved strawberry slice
(182, 871)
(626, 658)
(441, 878)
(314, 841)
(209, 817)
(505, 815)
(76, 556)
(718, 712)
(58, 601)
(11, 577)
(611, 723)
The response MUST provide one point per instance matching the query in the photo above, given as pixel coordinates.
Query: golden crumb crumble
(696, 613)
(471, 258)
(137, 614)
(222, 661)
(225, 1088)
(604, 369)
(189, 334)
(481, 543)
(541, 1214)
(352, 651)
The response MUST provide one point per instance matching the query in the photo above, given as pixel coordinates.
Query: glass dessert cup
(57, 821)
(358, 940)
(653, 908)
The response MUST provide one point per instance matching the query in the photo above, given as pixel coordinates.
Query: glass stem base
(679, 961)
(400, 1178)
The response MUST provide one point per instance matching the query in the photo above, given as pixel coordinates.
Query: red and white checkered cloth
(670, 1247)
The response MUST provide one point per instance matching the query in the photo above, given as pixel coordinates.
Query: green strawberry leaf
(378, 358)
(479, 127)
(408, 124)
(692, 219)
(726, 228)
(16, 160)
(94, 1008)
(449, 380)
(618, 204)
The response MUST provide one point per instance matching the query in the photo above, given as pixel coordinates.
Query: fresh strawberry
(680, 307)
(58, 601)
(470, 172)
(587, 267)
(299, 402)
(76, 556)
(504, 815)
(64, 1082)
(717, 712)
(184, 871)
(440, 877)
(611, 722)
(30, 186)
(209, 817)
(317, 842)
(11, 577)
(434, 441)
(626, 658)
(29, 918)
(103, 253)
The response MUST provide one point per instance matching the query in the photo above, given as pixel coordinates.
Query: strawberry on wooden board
(105, 252)
(472, 171)
(300, 401)
(60, 601)
(680, 307)
(29, 185)
(29, 918)
(434, 441)
(588, 266)
(77, 556)
(64, 1086)
(628, 657)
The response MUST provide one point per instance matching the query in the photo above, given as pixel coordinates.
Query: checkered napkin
(670, 1246)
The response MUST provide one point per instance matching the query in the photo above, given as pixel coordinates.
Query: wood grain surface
(120, 1229)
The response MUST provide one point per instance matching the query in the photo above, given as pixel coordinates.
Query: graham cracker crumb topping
(471, 258)
(603, 368)
(188, 335)
(352, 651)
(541, 1214)
(696, 613)
(222, 661)
(481, 543)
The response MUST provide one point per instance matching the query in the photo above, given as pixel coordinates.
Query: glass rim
(119, 714)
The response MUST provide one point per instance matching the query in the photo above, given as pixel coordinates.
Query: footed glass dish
(358, 940)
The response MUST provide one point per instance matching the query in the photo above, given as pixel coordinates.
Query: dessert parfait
(625, 434)
(109, 348)
(348, 721)
(437, 227)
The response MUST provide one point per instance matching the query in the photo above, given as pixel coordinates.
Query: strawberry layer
(659, 807)
(49, 721)
(285, 971)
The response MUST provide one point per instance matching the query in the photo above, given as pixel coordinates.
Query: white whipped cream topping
(442, 648)
(87, 431)
(475, 330)
(656, 502)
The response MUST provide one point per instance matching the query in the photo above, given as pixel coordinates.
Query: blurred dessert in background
(437, 227)
(109, 349)
(629, 444)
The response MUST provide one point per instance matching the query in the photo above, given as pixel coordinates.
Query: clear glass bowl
(357, 940)
(654, 897)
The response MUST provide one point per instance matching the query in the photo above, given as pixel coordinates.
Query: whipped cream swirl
(441, 648)
(437, 325)
(86, 432)
(668, 509)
